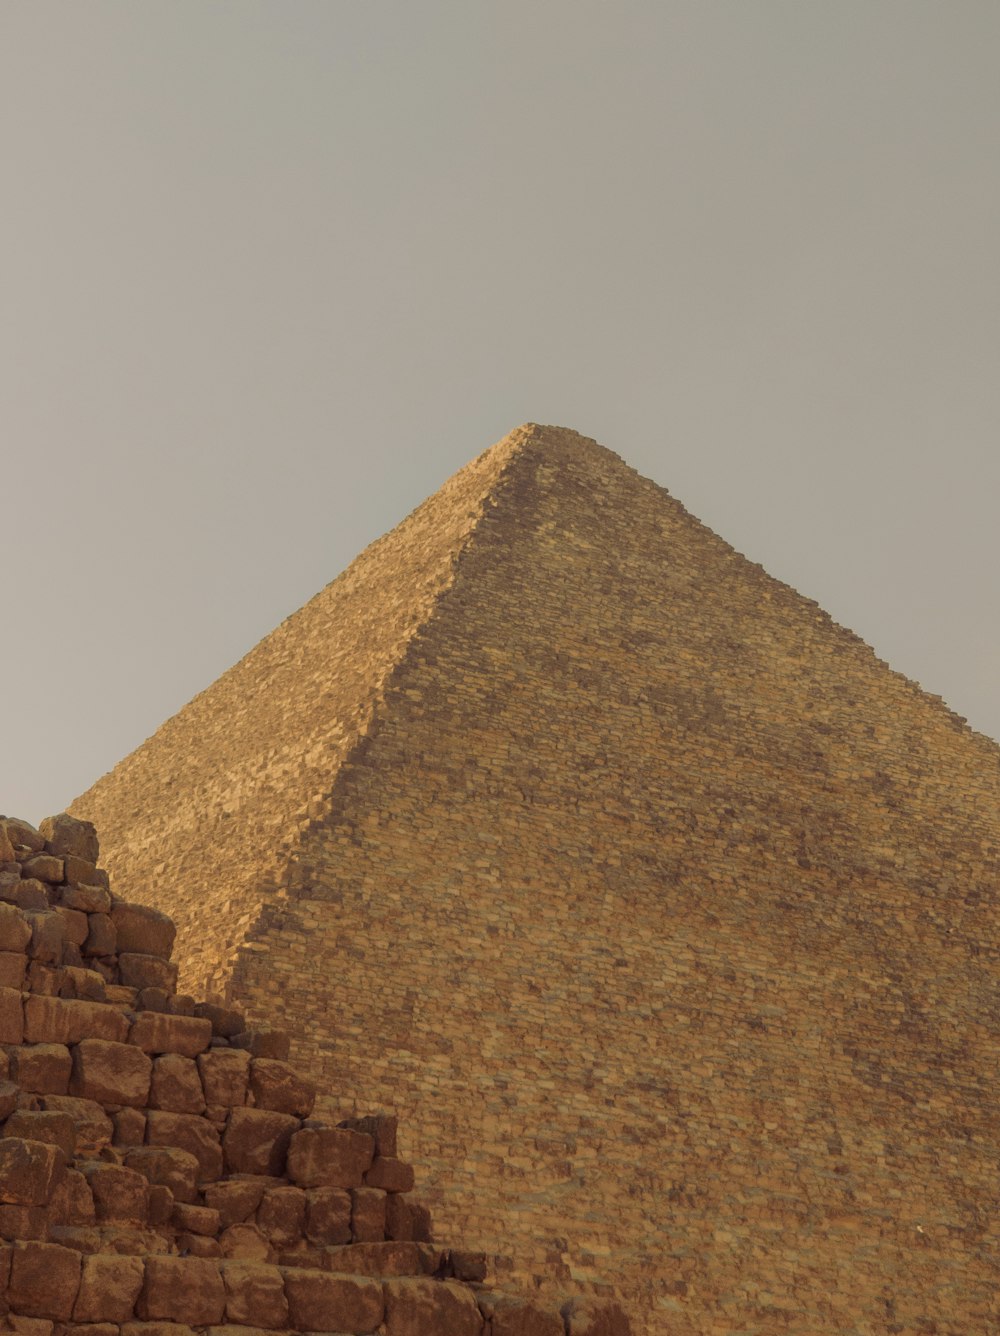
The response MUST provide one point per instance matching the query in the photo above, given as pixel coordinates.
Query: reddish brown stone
(398, 1218)
(64, 834)
(55, 1020)
(155, 1032)
(87, 897)
(226, 1021)
(236, 1199)
(255, 1295)
(281, 1216)
(321, 1302)
(102, 940)
(190, 1133)
(176, 1085)
(196, 1219)
(110, 1073)
(76, 925)
(130, 1127)
(44, 1280)
(46, 867)
(41, 1069)
(15, 930)
(182, 1289)
(328, 1216)
(381, 1127)
(109, 1289)
(586, 1317)
(256, 1141)
(48, 936)
(29, 1171)
(390, 1175)
(510, 1315)
(81, 870)
(169, 1167)
(142, 929)
(54, 1129)
(10, 1096)
(329, 1157)
(138, 971)
(121, 1195)
(12, 968)
(383, 1259)
(245, 1243)
(225, 1073)
(419, 1306)
(86, 984)
(277, 1085)
(23, 1222)
(72, 1202)
(367, 1215)
(94, 1128)
(263, 1043)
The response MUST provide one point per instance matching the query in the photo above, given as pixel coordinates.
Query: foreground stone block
(167, 1166)
(109, 1288)
(584, 1317)
(195, 1135)
(419, 1307)
(15, 930)
(225, 1074)
(29, 1171)
(255, 1295)
(329, 1157)
(54, 1020)
(510, 1315)
(43, 1069)
(94, 1129)
(110, 1073)
(142, 930)
(256, 1141)
(49, 1127)
(64, 834)
(176, 1086)
(155, 1032)
(277, 1085)
(44, 1280)
(182, 1289)
(328, 1216)
(321, 1302)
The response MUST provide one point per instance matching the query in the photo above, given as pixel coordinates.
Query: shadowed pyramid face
(660, 908)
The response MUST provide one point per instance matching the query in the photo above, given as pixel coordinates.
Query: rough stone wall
(673, 911)
(159, 1163)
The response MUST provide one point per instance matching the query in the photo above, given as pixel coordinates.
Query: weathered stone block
(255, 1295)
(142, 929)
(47, 1126)
(85, 984)
(56, 1020)
(225, 1075)
(72, 1202)
(256, 1141)
(10, 1094)
(11, 1016)
(511, 1315)
(367, 1215)
(415, 1307)
(110, 1073)
(187, 1132)
(328, 1216)
(154, 1032)
(64, 834)
(587, 1317)
(88, 898)
(277, 1085)
(390, 1175)
(381, 1127)
(48, 936)
(329, 1157)
(102, 939)
(29, 1171)
(236, 1199)
(139, 971)
(94, 1128)
(263, 1043)
(15, 929)
(182, 1289)
(281, 1216)
(44, 1280)
(109, 1289)
(176, 1086)
(168, 1166)
(226, 1021)
(196, 1219)
(121, 1195)
(43, 867)
(76, 925)
(23, 1222)
(12, 967)
(246, 1243)
(383, 1259)
(321, 1302)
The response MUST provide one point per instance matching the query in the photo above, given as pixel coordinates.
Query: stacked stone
(160, 1170)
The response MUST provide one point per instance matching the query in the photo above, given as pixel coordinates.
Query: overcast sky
(272, 271)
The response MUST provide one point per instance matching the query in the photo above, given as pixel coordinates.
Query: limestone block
(187, 1132)
(245, 1243)
(30, 896)
(176, 1086)
(44, 867)
(81, 871)
(226, 1021)
(85, 984)
(512, 1315)
(390, 1175)
(94, 1128)
(29, 1171)
(45, 980)
(586, 1317)
(109, 1289)
(140, 971)
(121, 1195)
(88, 898)
(225, 1075)
(382, 1127)
(12, 967)
(48, 936)
(161, 1205)
(72, 1202)
(155, 1329)
(329, 1157)
(281, 1216)
(142, 929)
(9, 1096)
(182, 1289)
(23, 835)
(76, 924)
(277, 1085)
(328, 1216)
(15, 930)
(56, 1020)
(414, 1307)
(321, 1302)
(110, 1073)
(367, 1215)
(130, 1127)
(11, 1016)
(255, 1295)
(383, 1259)
(167, 1166)
(236, 1199)
(153, 999)
(154, 1032)
(54, 1129)
(399, 1218)
(23, 1222)
(64, 834)
(44, 1280)
(256, 1141)
(263, 1043)
(6, 845)
(102, 940)
(196, 1219)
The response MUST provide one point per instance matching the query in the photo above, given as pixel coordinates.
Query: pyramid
(660, 910)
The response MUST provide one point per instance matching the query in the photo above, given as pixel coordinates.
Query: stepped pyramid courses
(661, 911)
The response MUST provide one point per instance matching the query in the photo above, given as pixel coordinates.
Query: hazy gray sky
(272, 271)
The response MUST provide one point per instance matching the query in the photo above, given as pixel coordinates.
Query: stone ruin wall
(161, 1173)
